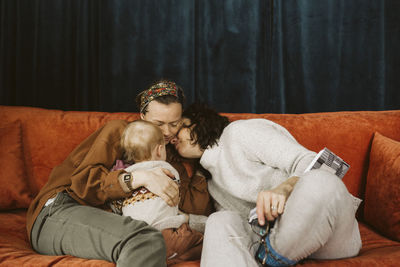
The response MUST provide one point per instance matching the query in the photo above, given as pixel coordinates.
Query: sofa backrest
(50, 135)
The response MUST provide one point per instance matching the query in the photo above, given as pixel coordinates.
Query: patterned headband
(157, 90)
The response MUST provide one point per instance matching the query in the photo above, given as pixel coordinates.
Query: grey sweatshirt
(251, 156)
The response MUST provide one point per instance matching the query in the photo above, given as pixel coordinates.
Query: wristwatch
(128, 181)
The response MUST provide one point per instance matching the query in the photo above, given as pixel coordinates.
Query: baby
(143, 143)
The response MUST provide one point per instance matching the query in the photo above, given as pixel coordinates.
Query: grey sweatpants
(318, 222)
(67, 228)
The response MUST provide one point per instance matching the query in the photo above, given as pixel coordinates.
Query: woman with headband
(69, 216)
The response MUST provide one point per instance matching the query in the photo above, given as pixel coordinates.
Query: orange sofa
(34, 140)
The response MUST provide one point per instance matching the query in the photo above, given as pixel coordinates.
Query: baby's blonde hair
(139, 140)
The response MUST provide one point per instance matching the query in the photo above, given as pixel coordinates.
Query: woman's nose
(165, 130)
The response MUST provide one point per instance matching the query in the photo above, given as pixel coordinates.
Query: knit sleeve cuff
(197, 222)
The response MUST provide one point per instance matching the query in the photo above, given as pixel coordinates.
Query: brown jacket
(85, 175)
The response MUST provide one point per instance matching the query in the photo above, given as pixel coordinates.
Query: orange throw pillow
(14, 189)
(382, 195)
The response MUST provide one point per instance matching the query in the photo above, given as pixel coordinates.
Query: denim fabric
(272, 257)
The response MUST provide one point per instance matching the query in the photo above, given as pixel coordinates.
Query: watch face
(127, 180)
(127, 177)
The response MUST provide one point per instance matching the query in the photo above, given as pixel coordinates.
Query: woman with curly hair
(258, 163)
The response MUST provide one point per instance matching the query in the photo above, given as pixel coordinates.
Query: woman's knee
(136, 231)
(322, 184)
(321, 190)
(145, 243)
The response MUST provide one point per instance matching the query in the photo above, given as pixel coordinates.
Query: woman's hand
(271, 203)
(159, 182)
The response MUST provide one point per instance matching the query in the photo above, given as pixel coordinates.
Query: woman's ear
(142, 116)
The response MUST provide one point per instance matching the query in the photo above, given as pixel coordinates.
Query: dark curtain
(237, 55)
(335, 55)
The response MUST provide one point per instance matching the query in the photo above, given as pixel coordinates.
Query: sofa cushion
(16, 251)
(14, 190)
(382, 196)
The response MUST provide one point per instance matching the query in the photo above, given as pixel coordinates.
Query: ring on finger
(273, 208)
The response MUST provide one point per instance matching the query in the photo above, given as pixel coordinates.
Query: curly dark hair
(205, 123)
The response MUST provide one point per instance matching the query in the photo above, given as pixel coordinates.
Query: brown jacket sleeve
(84, 174)
(195, 198)
(193, 191)
(91, 180)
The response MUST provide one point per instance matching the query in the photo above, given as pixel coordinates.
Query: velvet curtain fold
(237, 55)
(336, 55)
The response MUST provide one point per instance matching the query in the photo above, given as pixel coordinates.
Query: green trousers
(67, 228)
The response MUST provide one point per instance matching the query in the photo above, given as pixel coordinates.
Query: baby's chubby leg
(319, 219)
